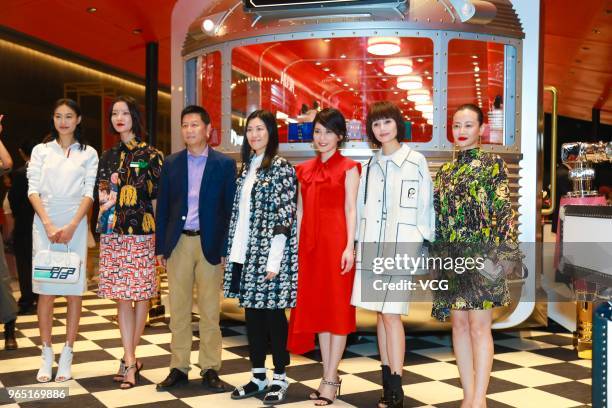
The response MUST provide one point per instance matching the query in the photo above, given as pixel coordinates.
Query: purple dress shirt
(195, 171)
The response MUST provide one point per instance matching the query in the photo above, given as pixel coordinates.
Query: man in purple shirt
(194, 206)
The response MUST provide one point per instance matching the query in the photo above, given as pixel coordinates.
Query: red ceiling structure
(107, 35)
(577, 41)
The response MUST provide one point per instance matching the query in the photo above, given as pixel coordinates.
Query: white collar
(398, 157)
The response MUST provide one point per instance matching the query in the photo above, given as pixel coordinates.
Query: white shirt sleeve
(35, 169)
(91, 170)
(6, 206)
(275, 257)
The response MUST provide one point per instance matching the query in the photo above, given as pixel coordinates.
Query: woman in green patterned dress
(474, 218)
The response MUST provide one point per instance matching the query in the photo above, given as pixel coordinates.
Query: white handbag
(51, 266)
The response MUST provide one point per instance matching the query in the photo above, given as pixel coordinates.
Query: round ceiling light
(425, 107)
(409, 82)
(208, 25)
(398, 66)
(419, 95)
(384, 45)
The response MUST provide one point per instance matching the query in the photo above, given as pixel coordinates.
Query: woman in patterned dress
(473, 216)
(261, 256)
(128, 176)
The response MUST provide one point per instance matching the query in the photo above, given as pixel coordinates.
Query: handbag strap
(365, 195)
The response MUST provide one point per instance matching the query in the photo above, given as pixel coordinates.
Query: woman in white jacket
(395, 210)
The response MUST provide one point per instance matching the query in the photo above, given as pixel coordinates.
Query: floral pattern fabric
(128, 178)
(474, 217)
(273, 211)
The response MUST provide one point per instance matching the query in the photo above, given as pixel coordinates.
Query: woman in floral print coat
(474, 218)
(261, 256)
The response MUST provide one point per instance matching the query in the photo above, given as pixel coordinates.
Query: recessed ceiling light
(339, 79)
(351, 89)
(318, 63)
(327, 39)
(346, 84)
(475, 56)
(369, 62)
(409, 82)
(419, 95)
(477, 80)
(476, 68)
(429, 77)
(91, 9)
(474, 63)
(326, 69)
(385, 79)
(137, 31)
(476, 75)
(420, 59)
(384, 45)
(343, 56)
(398, 66)
(332, 75)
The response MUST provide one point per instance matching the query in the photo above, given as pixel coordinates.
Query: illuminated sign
(287, 4)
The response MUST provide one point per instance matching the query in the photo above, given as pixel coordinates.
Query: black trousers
(267, 326)
(23, 258)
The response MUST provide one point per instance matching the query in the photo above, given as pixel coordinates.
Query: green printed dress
(474, 218)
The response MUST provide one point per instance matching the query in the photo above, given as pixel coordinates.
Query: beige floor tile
(143, 394)
(435, 371)
(532, 398)
(433, 392)
(525, 359)
(529, 377)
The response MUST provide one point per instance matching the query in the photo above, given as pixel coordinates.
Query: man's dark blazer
(216, 198)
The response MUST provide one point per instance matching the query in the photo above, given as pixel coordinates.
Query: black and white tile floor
(531, 368)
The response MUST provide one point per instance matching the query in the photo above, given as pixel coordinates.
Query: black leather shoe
(9, 336)
(210, 380)
(174, 379)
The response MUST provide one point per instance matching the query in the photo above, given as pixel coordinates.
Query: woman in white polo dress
(61, 178)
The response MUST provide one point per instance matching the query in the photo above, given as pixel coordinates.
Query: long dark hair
(137, 126)
(78, 131)
(272, 148)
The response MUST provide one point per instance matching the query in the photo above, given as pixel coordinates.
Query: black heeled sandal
(129, 384)
(328, 401)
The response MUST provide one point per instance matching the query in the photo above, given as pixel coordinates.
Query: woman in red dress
(326, 214)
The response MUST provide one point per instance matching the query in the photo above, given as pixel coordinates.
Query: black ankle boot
(9, 336)
(386, 373)
(396, 393)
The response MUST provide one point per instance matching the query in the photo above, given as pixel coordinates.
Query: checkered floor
(531, 368)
